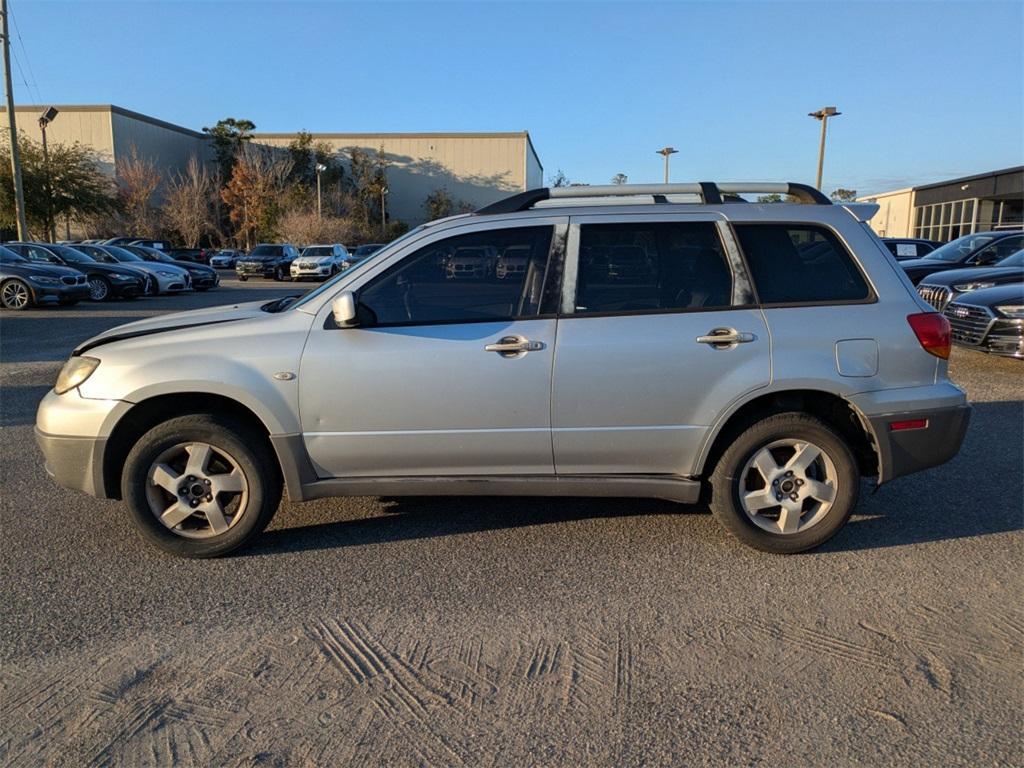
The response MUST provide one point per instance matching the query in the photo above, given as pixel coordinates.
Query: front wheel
(99, 288)
(201, 485)
(242, 278)
(15, 294)
(787, 484)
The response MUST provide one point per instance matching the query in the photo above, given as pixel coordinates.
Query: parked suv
(319, 262)
(769, 357)
(267, 261)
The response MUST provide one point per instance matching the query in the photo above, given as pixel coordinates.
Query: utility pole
(44, 120)
(19, 193)
(667, 152)
(823, 115)
(383, 214)
(320, 168)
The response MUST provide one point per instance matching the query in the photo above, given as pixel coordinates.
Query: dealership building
(475, 168)
(948, 209)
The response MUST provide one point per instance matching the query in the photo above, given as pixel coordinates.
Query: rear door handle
(726, 338)
(514, 346)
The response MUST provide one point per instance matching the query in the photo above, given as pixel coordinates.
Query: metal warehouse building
(948, 209)
(477, 168)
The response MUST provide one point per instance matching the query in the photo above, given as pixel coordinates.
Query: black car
(982, 249)
(203, 278)
(360, 253)
(990, 320)
(194, 255)
(267, 261)
(943, 287)
(105, 281)
(909, 247)
(25, 283)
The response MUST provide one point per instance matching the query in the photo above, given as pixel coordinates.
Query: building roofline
(973, 177)
(113, 109)
(386, 135)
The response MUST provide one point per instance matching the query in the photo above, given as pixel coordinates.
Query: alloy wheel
(788, 486)
(15, 295)
(98, 289)
(196, 490)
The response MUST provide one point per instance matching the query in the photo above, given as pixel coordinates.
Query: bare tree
(188, 202)
(137, 181)
(254, 193)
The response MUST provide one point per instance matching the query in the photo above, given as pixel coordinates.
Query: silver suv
(667, 341)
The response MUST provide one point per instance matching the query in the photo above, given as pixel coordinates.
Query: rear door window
(800, 264)
(651, 267)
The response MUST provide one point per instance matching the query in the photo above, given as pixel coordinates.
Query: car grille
(968, 322)
(936, 295)
(70, 280)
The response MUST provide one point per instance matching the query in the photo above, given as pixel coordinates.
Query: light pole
(667, 152)
(19, 196)
(320, 168)
(823, 115)
(44, 120)
(383, 216)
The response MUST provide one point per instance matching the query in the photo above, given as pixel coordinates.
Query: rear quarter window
(800, 264)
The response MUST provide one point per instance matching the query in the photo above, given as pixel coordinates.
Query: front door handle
(514, 346)
(726, 338)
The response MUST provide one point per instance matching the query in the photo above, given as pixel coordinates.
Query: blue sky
(928, 90)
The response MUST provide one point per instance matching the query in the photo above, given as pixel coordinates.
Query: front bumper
(74, 462)
(904, 451)
(42, 294)
(132, 286)
(175, 284)
(255, 270)
(318, 272)
(204, 281)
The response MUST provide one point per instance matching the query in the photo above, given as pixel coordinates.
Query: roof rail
(709, 192)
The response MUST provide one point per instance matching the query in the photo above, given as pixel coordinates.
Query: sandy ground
(510, 632)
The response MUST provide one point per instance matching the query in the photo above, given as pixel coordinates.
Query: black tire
(279, 275)
(242, 278)
(726, 504)
(99, 289)
(15, 295)
(254, 458)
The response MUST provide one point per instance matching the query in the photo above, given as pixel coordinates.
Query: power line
(24, 51)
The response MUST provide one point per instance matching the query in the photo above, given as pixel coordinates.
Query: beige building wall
(895, 217)
(90, 126)
(477, 168)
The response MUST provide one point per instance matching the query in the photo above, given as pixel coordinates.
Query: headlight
(44, 279)
(972, 286)
(75, 371)
(1012, 310)
(118, 276)
(162, 273)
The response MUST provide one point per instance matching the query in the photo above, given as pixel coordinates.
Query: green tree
(620, 178)
(370, 181)
(439, 204)
(80, 188)
(844, 195)
(229, 136)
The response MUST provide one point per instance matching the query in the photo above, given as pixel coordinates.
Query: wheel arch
(834, 410)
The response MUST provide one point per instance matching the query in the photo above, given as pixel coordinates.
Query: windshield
(71, 255)
(266, 250)
(7, 256)
(365, 250)
(389, 248)
(318, 250)
(120, 253)
(956, 250)
(1014, 260)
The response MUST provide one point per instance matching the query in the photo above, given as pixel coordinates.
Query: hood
(934, 265)
(175, 321)
(38, 268)
(990, 297)
(189, 266)
(996, 274)
(244, 259)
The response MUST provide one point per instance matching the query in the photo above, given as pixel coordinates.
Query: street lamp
(823, 115)
(320, 168)
(383, 217)
(44, 120)
(666, 152)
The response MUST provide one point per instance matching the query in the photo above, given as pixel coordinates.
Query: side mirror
(344, 310)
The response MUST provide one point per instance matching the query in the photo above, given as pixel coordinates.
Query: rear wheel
(99, 288)
(786, 484)
(15, 294)
(242, 278)
(201, 485)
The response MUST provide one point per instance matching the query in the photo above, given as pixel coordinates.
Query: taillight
(932, 331)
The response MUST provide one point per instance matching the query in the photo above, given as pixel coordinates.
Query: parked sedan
(105, 281)
(990, 320)
(196, 255)
(319, 262)
(225, 258)
(943, 287)
(203, 277)
(267, 260)
(909, 247)
(982, 249)
(170, 278)
(25, 284)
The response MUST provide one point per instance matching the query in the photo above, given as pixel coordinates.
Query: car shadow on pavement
(18, 404)
(978, 493)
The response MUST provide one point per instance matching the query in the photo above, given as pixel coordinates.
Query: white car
(225, 259)
(319, 262)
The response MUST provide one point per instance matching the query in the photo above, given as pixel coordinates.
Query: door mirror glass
(344, 310)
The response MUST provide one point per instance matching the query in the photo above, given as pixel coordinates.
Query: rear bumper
(904, 451)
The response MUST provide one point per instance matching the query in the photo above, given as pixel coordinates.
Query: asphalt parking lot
(509, 632)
